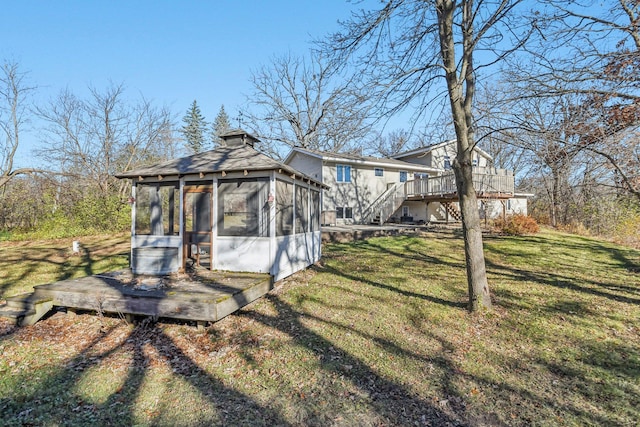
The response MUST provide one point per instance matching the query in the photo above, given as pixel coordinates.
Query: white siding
(436, 157)
(310, 166)
(360, 193)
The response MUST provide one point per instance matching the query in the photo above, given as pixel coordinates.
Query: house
(416, 186)
(232, 208)
(357, 182)
(440, 156)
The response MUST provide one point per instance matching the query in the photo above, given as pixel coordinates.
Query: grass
(376, 335)
(27, 263)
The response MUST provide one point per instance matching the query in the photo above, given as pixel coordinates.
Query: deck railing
(501, 182)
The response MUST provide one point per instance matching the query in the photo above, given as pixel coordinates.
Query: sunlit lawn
(376, 335)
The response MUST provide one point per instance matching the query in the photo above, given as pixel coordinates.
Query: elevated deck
(497, 185)
(202, 296)
(489, 183)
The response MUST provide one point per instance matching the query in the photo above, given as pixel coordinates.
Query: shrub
(517, 225)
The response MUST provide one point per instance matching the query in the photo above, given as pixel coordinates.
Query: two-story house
(416, 186)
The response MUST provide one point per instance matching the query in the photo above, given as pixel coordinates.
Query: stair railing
(385, 205)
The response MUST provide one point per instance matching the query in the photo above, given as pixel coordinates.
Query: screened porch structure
(232, 208)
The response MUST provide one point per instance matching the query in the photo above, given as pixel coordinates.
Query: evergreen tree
(220, 126)
(194, 129)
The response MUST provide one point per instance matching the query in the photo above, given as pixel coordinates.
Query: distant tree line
(554, 97)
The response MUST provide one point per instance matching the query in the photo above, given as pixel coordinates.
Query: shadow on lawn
(59, 264)
(54, 401)
(35, 407)
(409, 253)
(393, 403)
(625, 294)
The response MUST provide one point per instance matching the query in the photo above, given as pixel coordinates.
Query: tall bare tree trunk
(461, 110)
(474, 252)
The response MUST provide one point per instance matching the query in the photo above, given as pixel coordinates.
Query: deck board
(204, 296)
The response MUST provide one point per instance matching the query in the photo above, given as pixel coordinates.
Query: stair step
(23, 301)
(26, 309)
(16, 315)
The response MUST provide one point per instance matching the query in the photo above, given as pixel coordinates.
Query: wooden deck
(201, 296)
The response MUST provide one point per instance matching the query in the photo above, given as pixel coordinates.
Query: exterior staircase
(26, 309)
(389, 202)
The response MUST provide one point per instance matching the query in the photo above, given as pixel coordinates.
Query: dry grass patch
(376, 335)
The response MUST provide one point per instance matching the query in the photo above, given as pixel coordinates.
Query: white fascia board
(483, 153)
(407, 166)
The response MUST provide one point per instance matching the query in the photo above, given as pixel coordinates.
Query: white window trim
(344, 169)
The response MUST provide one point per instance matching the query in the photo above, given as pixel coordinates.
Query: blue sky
(172, 52)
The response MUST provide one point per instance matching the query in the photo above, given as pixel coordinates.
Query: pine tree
(220, 126)
(194, 129)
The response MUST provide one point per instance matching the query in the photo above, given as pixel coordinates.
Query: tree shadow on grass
(393, 403)
(59, 264)
(396, 290)
(562, 281)
(55, 399)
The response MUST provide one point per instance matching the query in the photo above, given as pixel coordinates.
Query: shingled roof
(237, 158)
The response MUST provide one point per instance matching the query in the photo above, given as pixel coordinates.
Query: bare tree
(591, 52)
(95, 138)
(14, 92)
(409, 48)
(394, 142)
(298, 103)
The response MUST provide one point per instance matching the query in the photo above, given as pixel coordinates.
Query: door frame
(191, 188)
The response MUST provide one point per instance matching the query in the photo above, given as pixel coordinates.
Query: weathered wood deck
(202, 296)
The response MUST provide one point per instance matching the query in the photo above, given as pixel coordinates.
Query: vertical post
(171, 212)
(446, 210)
(214, 223)
(181, 254)
(426, 213)
(134, 194)
(273, 244)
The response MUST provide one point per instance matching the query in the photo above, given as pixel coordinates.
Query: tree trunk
(474, 252)
(461, 111)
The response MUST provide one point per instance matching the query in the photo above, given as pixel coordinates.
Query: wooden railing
(499, 183)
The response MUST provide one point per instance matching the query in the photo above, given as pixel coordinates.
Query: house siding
(352, 201)
(436, 157)
(363, 189)
(311, 166)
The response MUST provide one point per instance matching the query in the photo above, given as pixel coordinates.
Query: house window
(343, 173)
(379, 171)
(345, 212)
(447, 162)
(475, 162)
(243, 209)
(403, 176)
(405, 211)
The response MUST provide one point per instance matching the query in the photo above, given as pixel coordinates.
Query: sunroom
(232, 208)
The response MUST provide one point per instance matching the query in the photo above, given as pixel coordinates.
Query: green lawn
(376, 335)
